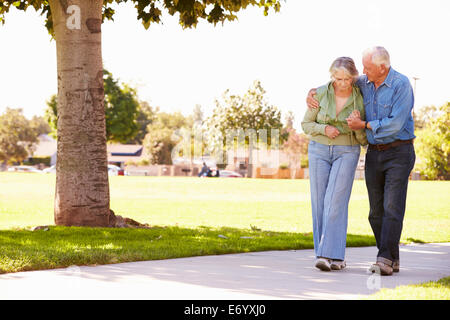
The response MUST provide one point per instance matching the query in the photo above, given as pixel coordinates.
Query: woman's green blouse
(315, 120)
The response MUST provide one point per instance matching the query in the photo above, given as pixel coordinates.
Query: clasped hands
(354, 119)
(354, 122)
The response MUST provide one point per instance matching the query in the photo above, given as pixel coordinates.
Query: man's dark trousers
(387, 173)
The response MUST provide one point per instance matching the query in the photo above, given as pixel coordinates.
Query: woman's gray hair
(346, 64)
(379, 56)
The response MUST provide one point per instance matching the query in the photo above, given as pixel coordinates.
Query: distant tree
(433, 145)
(424, 115)
(40, 125)
(198, 140)
(159, 141)
(51, 115)
(121, 110)
(251, 114)
(146, 115)
(191, 139)
(197, 114)
(17, 136)
(290, 117)
(296, 145)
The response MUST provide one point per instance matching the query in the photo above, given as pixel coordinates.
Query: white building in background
(46, 147)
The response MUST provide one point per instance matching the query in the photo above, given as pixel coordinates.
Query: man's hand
(331, 132)
(310, 101)
(354, 121)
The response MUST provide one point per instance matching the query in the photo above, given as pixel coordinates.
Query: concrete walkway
(258, 275)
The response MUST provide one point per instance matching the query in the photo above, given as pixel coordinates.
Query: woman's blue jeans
(331, 171)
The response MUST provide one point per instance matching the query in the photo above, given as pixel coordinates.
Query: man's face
(372, 71)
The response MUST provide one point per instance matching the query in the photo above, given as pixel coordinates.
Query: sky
(289, 52)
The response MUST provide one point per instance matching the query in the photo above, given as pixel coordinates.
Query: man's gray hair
(379, 56)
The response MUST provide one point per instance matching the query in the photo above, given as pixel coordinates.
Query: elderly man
(388, 102)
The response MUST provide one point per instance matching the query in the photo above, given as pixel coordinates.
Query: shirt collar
(388, 80)
(327, 101)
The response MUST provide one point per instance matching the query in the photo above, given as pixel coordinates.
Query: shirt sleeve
(360, 135)
(403, 101)
(360, 82)
(309, 124)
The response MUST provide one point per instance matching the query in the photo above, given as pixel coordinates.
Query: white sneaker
(323, 264)
(338, 264)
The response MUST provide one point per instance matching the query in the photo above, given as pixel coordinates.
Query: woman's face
(342, 80)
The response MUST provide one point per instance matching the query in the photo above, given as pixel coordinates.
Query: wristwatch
(365, 124)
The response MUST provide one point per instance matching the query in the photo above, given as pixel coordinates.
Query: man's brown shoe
(381, 268)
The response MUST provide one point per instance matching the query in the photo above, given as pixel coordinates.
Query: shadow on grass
(413, 240)
(59, 247)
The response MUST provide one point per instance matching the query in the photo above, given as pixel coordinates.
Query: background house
(120, 154)
(45, 148)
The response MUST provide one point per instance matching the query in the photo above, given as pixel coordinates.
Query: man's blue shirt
(388, 108)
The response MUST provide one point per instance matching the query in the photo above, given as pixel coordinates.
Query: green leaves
(159, 140)
(433, 145)
(248, 112)
(150, 16)
(121, 110)
(150, 11)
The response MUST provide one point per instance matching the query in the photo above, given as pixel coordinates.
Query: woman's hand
(331, 132)
(355, 114)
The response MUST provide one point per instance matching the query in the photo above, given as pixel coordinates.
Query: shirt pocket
(385, 103)
(385, 109)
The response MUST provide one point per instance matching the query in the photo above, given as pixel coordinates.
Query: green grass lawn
(190, 216)
(278, 205)
(432, 290)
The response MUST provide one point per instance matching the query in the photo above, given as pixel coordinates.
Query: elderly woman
(333, 154)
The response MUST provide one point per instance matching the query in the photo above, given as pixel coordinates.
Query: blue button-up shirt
(388, 108)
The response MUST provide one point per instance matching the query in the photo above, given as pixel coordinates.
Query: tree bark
(82, 186)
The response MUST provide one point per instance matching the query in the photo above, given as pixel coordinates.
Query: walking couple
(348, 112)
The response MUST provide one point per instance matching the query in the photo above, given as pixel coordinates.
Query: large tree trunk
(82, 187)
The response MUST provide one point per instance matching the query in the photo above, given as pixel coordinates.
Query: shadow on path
(257, 275)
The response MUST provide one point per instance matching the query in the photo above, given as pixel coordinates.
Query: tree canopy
(247, 121)
(121, 110)
(159, 140)
(248, 112)
(150, 11)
